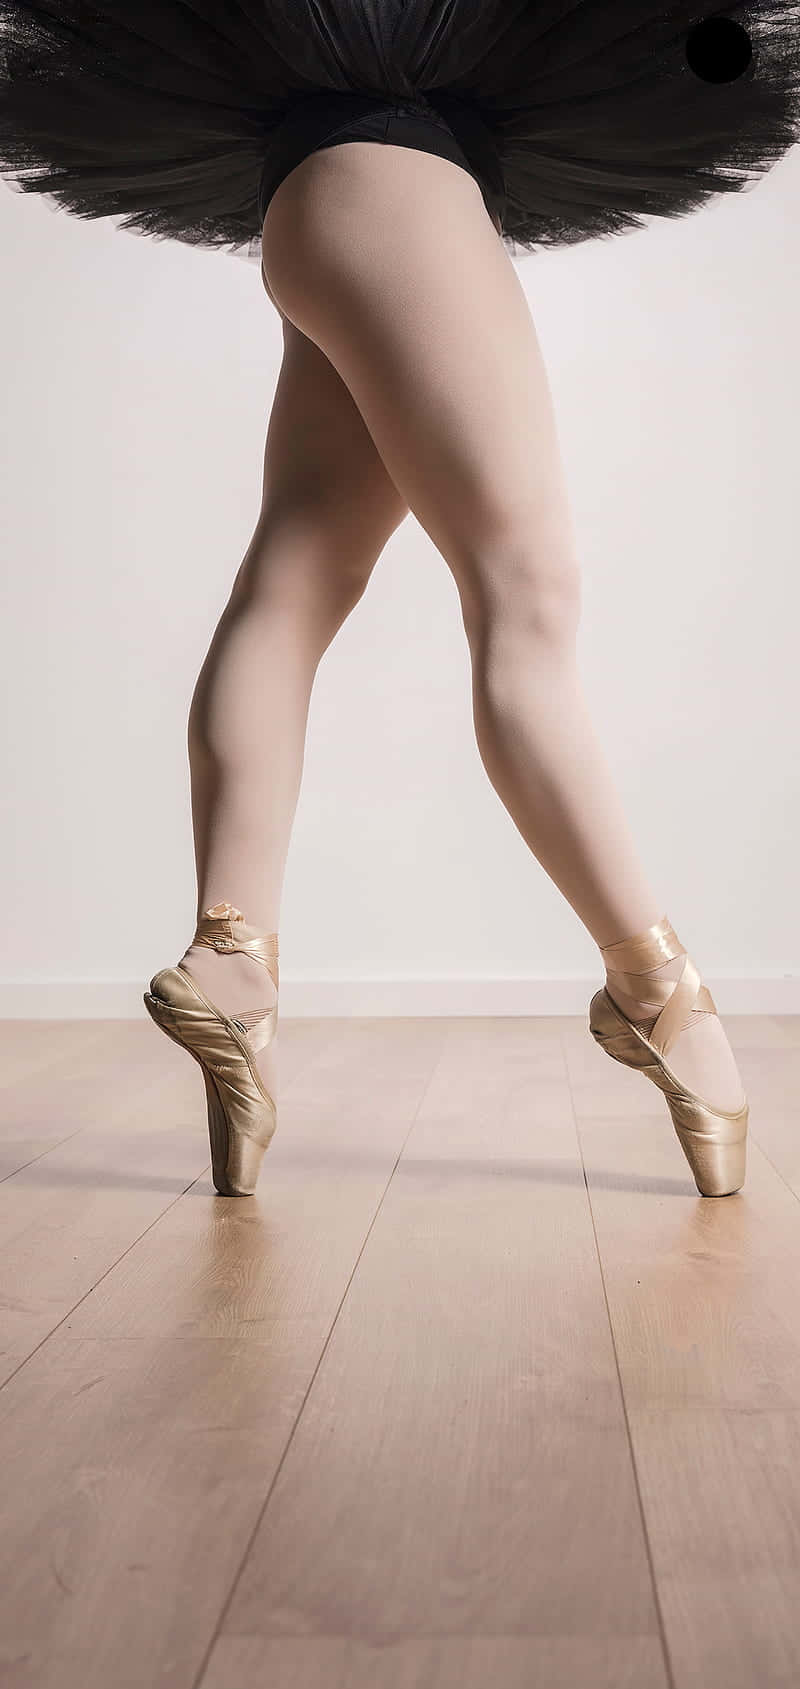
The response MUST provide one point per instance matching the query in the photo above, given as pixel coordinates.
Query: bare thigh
(325, 488)
(387, 259)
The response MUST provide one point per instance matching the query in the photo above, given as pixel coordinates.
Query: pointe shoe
(713, 1140)
(241, 1114)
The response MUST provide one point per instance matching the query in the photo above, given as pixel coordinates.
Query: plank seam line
(42, 1153)
(634, 1467)
(113, 1264)
(103, 1276)
(196, 1684)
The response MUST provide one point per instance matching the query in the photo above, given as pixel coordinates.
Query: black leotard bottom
(436, 123)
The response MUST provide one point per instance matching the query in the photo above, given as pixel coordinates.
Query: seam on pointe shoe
(237, 1036)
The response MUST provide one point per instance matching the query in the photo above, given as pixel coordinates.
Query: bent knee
(297, 561)
(531, 589)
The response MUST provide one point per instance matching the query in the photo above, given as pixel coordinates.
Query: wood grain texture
(39, 1061)
(476, 1390)
(139, 1442)
(121, 1151)
(439, 1662)
(461, 1468)
(28, 1046)
(703, 1301)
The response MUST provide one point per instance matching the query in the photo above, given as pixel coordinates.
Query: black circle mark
(719, 50)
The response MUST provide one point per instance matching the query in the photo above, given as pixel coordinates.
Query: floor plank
(140, 1440)
(703, 1301)
(28, 1046)
(437, 1408)
(47, 1081)
(461, 1470)
(772, 1082)
(440, 1662)
(120, 1154)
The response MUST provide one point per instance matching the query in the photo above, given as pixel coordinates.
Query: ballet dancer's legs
(386, 259)
(328, 509)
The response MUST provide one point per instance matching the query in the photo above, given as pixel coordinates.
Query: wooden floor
(477, 1393)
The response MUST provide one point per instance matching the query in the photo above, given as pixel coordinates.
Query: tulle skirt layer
(162, 113)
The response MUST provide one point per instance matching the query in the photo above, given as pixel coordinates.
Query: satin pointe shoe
(713, 1140)
(241, 1114)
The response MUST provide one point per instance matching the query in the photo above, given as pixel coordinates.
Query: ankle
(257, 919)
(638, 999)
(632, 931)
(643, 970)
(230, 975)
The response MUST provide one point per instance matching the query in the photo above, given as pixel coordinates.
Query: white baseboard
(320, 998)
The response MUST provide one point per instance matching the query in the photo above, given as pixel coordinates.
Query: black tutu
(166, 114)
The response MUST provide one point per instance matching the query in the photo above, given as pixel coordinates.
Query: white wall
(138, 379)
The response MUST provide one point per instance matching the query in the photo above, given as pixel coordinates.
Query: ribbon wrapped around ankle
(223, 928)
(675, 1001)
